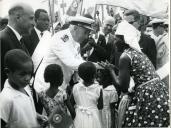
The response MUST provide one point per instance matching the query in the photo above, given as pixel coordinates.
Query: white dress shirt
(17, 108)
(38, 33)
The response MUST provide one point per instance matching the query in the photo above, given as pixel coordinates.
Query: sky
(153, 9)
(6, 4)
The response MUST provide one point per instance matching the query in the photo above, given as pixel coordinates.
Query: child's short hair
(105, 77)
(87, 71)
(53, 73)
(14, 58)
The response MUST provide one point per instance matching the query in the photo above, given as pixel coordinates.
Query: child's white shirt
(17, 108)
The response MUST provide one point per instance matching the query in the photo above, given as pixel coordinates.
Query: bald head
(108, 24)
(19, 8)
(109, 20)
(21, 17)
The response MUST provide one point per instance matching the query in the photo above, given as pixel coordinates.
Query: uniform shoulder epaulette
(65, 38)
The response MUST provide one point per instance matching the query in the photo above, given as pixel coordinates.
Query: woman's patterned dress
(149, 106)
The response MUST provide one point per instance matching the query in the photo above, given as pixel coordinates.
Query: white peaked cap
(81, 20)
(155, 21)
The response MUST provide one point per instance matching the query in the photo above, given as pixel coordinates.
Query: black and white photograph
(85, 64)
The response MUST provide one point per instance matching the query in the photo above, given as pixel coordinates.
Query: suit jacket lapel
(15, 42)
(13, 37)
(34, 36)
(101, 41)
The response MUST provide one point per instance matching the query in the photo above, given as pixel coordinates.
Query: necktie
(41, 34)
(23, 46)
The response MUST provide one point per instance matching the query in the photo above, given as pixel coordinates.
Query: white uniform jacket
(62, 50)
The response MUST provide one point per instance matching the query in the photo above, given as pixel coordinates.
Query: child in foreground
(17, 108)
(55, 100)
(87, 97)
(110, 98)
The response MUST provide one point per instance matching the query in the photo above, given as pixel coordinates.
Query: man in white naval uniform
(64, 49)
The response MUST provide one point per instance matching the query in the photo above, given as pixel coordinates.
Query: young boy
(17, 108)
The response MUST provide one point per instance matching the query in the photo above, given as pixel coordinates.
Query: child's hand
(42, 120)
(65, 96)
(102, 64)
(106, 65)
(109, 66)
(99, 65)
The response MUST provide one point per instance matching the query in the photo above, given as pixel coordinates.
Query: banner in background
(74, 8)
(152, 8)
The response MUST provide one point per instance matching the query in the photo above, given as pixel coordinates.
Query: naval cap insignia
(65, 38)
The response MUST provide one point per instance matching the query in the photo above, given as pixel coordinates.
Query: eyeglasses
(161, 25)
(132, 22)
(87, 31)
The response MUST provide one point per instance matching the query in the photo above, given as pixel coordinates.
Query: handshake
(107, 65)
(89, 45)
(91, 42)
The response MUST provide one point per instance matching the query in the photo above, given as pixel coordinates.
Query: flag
(74, 8)
(152, 8)
(90, 10)
(51, 13)
(56, 2)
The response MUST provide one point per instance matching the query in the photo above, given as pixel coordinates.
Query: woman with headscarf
(148, 105)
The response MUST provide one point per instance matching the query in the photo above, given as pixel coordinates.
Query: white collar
(94, 85)
(75, 43)
(38, 32)
(106, 36)
(101, 32)
(109, 88)
(15, 32)
(18, 93)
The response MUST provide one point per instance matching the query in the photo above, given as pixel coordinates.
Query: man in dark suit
(20, 22)
(148, 47)
(41, 25)
(147, 44)
(3, 23)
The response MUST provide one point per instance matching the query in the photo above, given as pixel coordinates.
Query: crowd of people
(88, 74)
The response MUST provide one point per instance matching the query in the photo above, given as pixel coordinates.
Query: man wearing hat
(146, 43)
(64, 49)
(166, 25)
(158, 28)
(161, 41)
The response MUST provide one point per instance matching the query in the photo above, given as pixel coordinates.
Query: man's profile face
(82, 33)
(107, 26)
(42, 23)
(161, 29)
(148, 30)
(27, 21)
(130, 19)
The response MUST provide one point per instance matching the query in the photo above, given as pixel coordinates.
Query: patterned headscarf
(130, 33)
